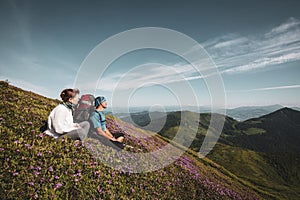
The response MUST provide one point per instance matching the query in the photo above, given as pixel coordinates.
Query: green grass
(254, 131)
(258, 169)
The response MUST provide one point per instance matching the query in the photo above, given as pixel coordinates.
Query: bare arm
(106, 134)
(119, 139)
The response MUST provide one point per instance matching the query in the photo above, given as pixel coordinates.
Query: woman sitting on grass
(60, 120)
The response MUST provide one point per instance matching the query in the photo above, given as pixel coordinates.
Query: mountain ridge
(271, 140)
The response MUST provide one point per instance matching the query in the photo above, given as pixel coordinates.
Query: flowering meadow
(36, 166)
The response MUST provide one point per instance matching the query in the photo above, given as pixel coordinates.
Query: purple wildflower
(15, 173)
(100, 190)
(31, 183)
(35, 196)
(76, 144)
(39, 168)
(1, 149)
(50, 169)
(39, 154)
(1, 119)
(58, 185)
(36, 173)
(56, 177)
(31, 167)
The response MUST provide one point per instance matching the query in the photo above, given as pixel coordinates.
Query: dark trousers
(114, 144)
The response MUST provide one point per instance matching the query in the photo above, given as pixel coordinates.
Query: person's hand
(120, 139)
(113, 139)
(77, 125)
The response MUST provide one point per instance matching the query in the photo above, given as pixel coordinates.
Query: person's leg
(78, 134)
(114, 144)
(118, 134)
(74, 135)
(104, 140)
(117, 145)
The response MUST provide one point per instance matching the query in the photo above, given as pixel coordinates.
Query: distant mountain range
(240, 113)
(264, 150)
(248, 112)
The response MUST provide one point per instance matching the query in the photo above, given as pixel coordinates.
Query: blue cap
(99, 100)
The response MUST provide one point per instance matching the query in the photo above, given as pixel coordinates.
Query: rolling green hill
(275, 132)
(276, 173)
(264, 150)
(36, 166)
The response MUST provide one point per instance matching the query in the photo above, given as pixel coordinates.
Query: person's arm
(106, 134)
(119, 139)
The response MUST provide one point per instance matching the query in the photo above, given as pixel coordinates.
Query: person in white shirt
(60, 120)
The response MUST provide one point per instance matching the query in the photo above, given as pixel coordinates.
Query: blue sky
(254, 44)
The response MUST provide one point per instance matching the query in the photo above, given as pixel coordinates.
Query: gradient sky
(254, 44)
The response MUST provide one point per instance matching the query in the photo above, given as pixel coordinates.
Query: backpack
(85, 107)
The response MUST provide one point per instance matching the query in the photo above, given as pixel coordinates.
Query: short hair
(66, 94)
(76, 90)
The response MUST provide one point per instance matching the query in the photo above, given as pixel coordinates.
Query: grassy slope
(36, 166)
(276, 174)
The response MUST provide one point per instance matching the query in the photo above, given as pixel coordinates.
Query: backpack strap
(101, 117)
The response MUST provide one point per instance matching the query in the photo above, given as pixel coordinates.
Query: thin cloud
(277, 88)
(230, 43)
(284, 87)
(232, 54)
(240, 54)
(291, 23)
(261, 63)
(161, 74)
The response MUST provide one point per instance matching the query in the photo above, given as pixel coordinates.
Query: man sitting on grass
(98, 123)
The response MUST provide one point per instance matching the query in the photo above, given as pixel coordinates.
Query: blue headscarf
(99, 100)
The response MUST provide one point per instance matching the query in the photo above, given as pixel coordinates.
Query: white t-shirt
(60, 120)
